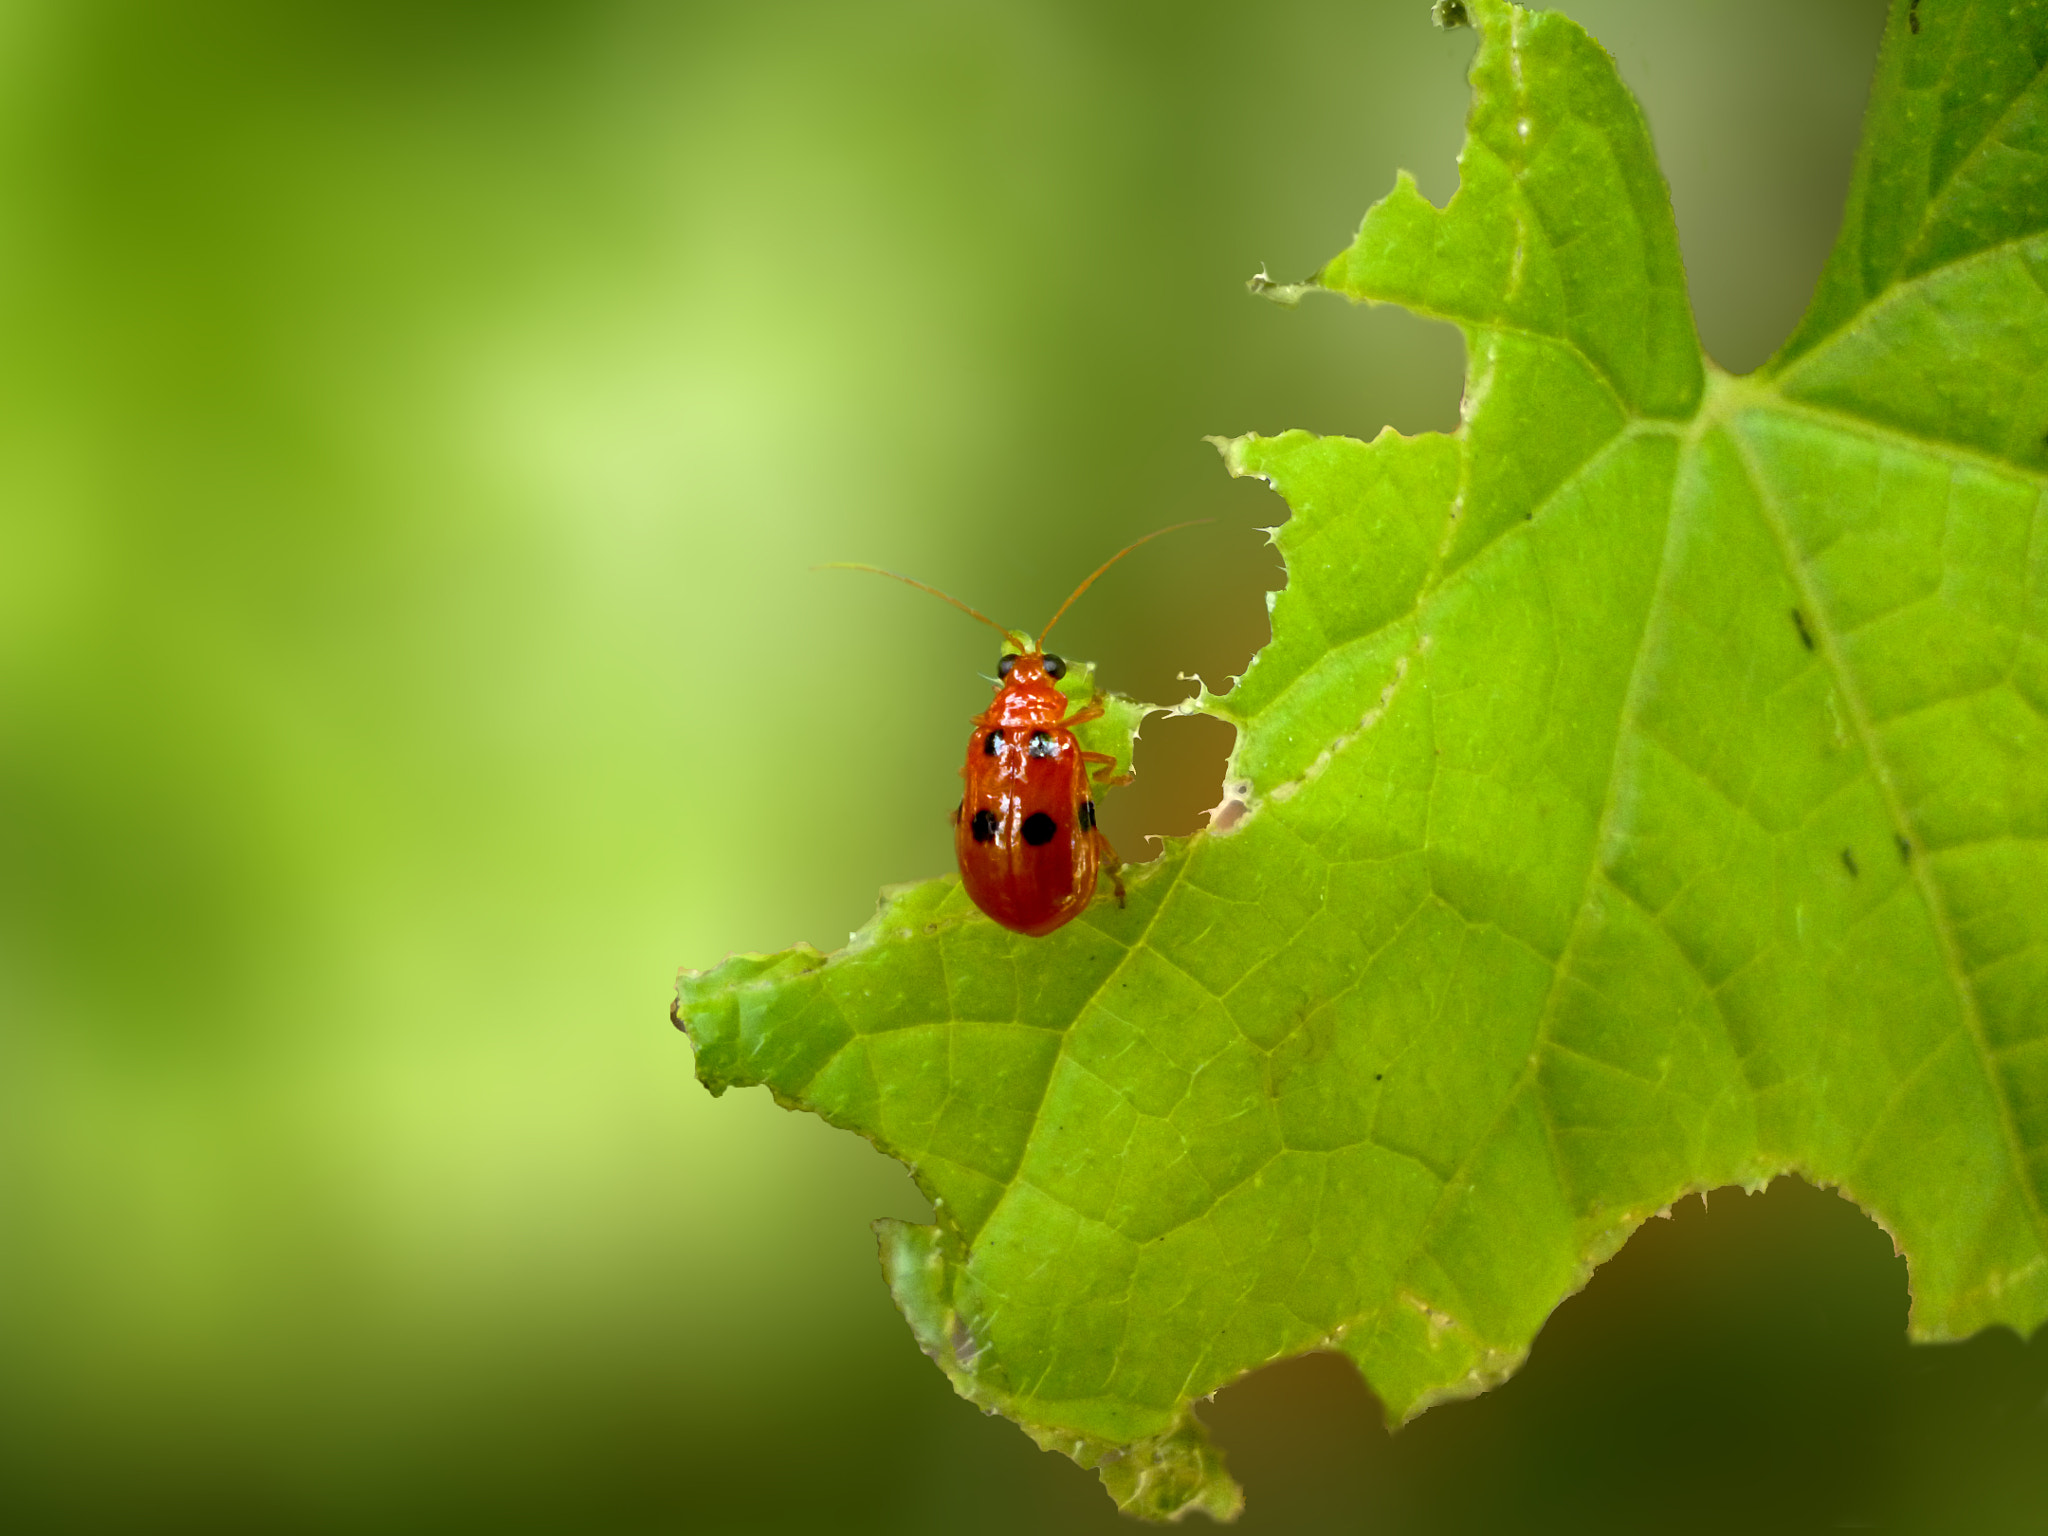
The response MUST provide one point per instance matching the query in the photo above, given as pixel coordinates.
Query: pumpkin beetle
(1024, 832)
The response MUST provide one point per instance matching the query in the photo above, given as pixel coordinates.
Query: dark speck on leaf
(1849, 863)
(1799, 623)
(1451, 14)
(1913, 17)
(1905, 848)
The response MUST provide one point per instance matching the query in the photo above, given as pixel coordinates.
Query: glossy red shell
(1025, 832)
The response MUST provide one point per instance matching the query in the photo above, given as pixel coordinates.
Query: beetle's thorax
(1027, 697)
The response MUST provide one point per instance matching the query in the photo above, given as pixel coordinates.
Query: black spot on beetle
(1042, 745)
(1805, 634)
(984, 825)
(1849, 863)
(992, 743)
(1038, 829)
(1905, 848)
(1087, 815)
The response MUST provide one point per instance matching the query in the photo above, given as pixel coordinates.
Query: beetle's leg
(1111, 864)
(1092, 710)
(1108, 762)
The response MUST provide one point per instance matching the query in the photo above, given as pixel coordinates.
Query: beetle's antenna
(972, 613)
(1112, 560)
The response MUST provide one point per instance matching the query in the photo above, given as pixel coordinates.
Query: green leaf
(1645, 789)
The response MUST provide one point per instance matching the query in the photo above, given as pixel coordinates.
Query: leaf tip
(1156, 1477)
(1266, 286)
(1231, 449)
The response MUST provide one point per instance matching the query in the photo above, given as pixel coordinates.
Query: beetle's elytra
(1025, 831)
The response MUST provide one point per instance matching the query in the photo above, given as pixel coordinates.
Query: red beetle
(1025, 831)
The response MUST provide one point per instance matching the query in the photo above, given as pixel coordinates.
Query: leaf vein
(1930, 894)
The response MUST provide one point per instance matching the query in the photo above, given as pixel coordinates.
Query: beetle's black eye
(1055, 668)
(1003, 666)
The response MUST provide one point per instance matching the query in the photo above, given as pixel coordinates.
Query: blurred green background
(417, 423)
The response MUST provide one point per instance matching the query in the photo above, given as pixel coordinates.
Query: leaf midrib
(1653, 611)
(1728, 399)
